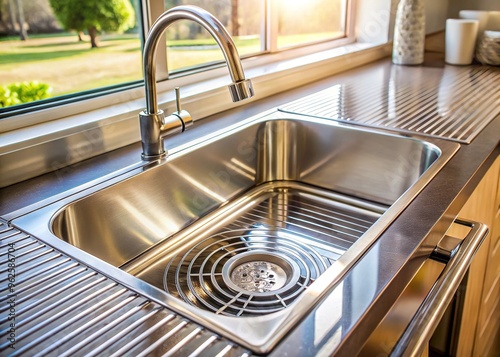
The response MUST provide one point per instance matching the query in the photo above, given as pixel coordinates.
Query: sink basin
(245, 229)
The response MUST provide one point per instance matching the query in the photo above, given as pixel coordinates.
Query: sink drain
(260, 272)
(243, 272)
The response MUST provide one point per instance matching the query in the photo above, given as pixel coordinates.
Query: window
(64, 58)
(57, 61)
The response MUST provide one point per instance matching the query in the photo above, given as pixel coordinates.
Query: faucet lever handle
(178, 99)
(183, 115)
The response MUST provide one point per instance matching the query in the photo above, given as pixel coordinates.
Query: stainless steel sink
(246, 228)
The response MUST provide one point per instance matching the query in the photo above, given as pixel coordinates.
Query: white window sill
(40, 148)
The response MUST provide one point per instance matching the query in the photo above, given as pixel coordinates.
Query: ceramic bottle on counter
(409, 33)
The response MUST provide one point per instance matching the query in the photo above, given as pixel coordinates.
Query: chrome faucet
(154, 125)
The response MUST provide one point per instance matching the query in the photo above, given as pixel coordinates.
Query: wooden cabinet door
(482, 206)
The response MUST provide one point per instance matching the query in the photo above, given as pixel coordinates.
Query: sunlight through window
(302, 22)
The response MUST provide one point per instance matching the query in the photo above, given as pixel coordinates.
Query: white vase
(409, 33)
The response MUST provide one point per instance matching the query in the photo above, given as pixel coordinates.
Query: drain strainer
(244, 272)
(261, 273)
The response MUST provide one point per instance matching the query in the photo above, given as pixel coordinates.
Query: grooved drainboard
(259, 255)
(439, 106)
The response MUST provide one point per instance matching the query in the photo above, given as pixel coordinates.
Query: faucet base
(153, 157)
(155, 126)
(152, 144)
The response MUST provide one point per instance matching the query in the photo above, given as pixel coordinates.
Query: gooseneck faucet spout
(154, 124)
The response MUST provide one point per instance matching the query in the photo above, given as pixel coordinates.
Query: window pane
(301, 22)
(189, 45)
(57, 52)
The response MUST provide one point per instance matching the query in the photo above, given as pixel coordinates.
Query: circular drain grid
(242, 273)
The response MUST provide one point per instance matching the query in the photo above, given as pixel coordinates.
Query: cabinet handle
(457, 254)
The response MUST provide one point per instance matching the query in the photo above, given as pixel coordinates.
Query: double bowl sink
(245, 229)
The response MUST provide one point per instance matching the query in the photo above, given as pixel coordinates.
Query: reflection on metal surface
(456, 103)
(263, 257)
(317, 161)
(328, 321)
(386, 335)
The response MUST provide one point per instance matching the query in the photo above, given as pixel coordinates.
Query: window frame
(269, 34)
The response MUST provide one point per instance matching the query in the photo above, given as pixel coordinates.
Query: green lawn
(68, 65)
(71, 66)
